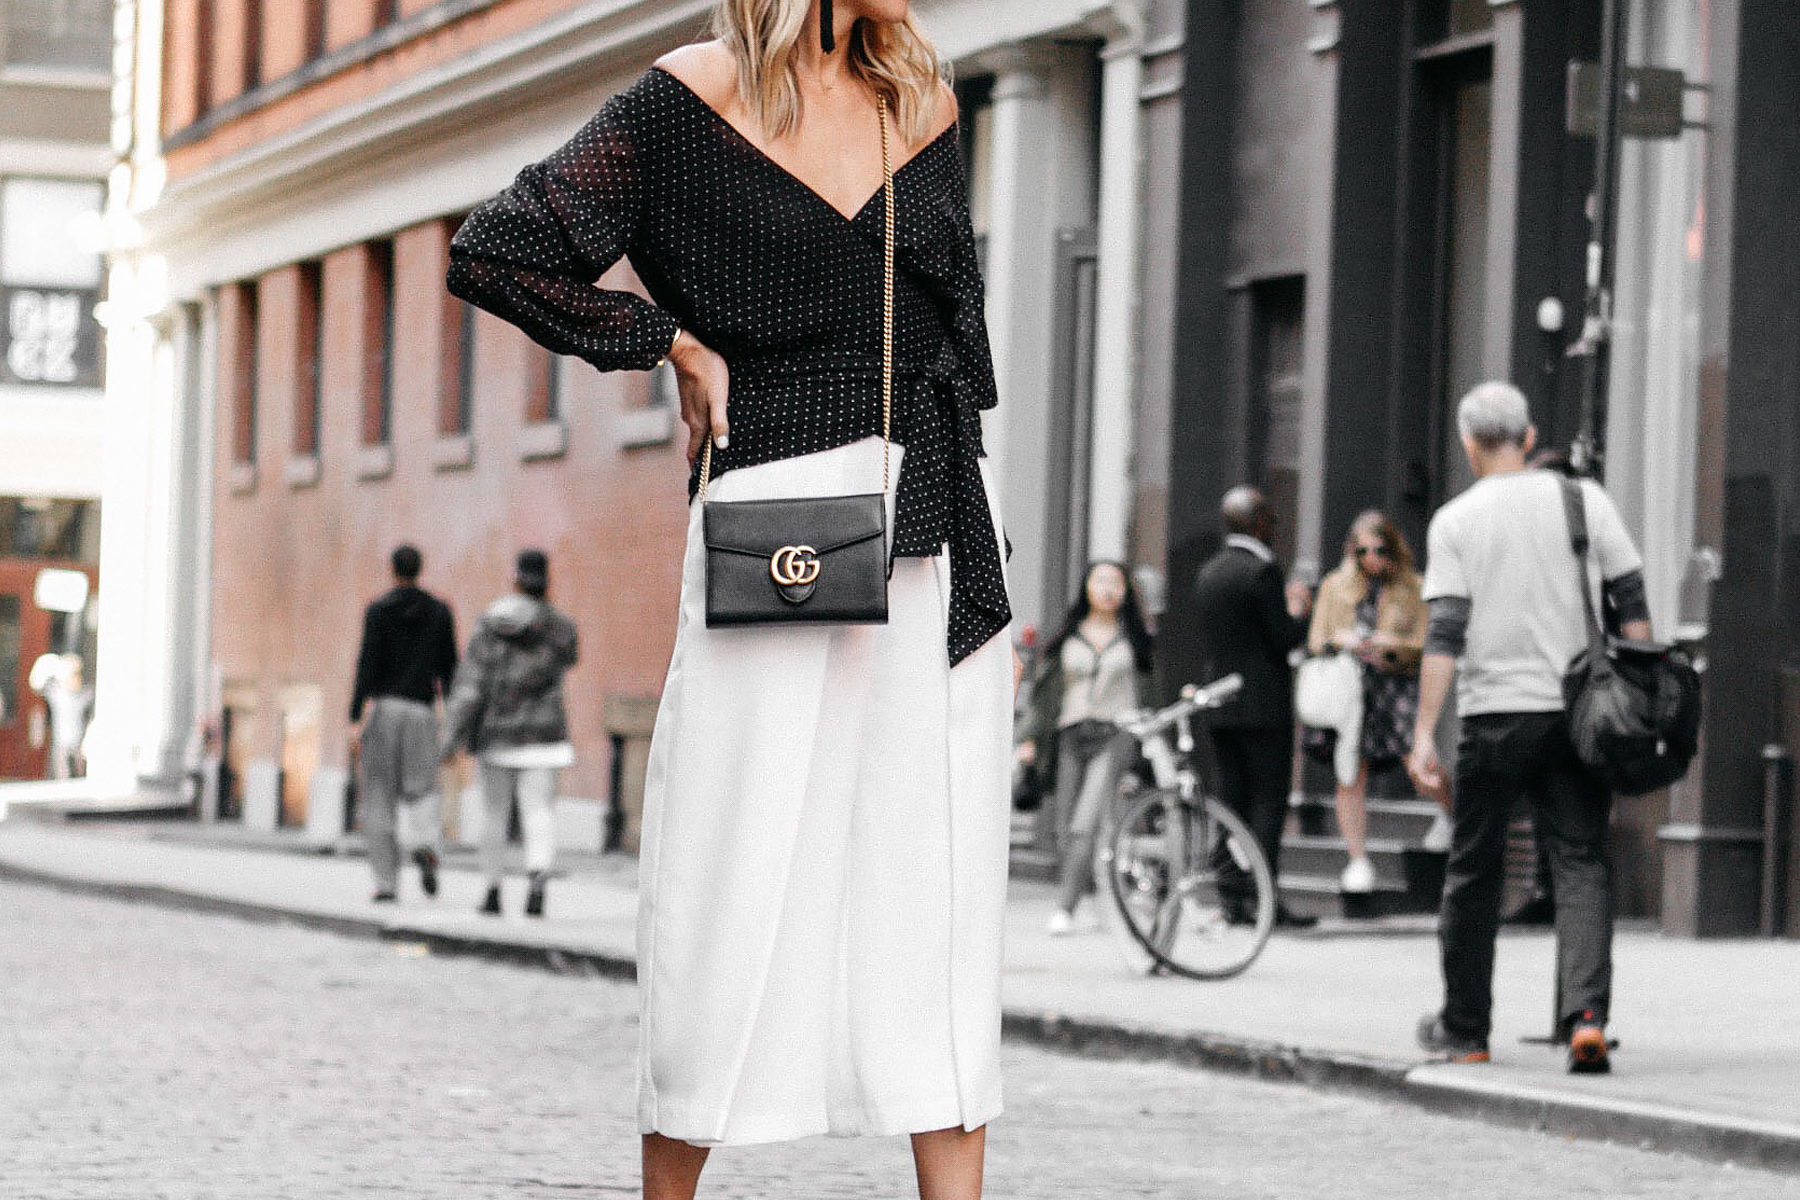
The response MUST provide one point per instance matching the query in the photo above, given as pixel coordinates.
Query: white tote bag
(1328, 695)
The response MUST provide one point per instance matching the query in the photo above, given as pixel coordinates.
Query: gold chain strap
(887, 320)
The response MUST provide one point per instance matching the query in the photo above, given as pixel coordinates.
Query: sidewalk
(1709, 1061)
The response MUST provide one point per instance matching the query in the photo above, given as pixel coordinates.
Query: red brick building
(357, 405)
(297, 171)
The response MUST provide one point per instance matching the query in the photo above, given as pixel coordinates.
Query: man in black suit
(1249, 623)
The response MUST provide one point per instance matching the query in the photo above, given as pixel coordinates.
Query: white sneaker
(1358, 876)
(1437, 838)
(1061, 924)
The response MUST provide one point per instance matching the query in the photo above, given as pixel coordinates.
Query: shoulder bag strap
(1575, 506)
(887, 317)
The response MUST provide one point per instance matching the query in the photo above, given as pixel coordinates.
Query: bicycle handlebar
(1194, 699)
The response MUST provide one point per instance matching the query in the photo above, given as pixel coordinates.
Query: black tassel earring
(827, 35)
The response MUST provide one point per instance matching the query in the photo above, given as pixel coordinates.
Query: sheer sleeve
(532, 254)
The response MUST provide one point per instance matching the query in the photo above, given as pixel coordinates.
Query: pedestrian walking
(506, 706)
(1369, 607)
(826, 808)
(1094, 670)
(70, 702)
(1507, 618)
(1250, 624)
(405, 664)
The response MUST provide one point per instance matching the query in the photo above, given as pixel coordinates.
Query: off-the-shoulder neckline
(946, 135)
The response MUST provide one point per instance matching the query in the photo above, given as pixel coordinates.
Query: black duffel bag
(1633, 707)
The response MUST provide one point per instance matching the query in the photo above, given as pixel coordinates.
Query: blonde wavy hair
(895, 59)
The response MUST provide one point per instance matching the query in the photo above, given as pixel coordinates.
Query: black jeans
(1255, 768)
(1502, 756)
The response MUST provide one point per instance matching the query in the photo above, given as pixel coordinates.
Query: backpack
(1633, 707)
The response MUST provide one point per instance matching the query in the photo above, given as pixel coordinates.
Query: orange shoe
(1588, 1048)
(1446, 1046)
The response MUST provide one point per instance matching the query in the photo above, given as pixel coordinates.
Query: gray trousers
(535, 790)
(1090, 757)
(1502, 756)
(397, 784)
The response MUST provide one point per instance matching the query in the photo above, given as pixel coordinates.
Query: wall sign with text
(49, 336)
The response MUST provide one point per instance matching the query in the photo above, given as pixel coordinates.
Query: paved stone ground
(145, 1053)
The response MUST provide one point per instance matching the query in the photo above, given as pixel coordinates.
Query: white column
(1317, 333)
(133, 530)
(1040, 180)
(1017, 89)
(1116, 295)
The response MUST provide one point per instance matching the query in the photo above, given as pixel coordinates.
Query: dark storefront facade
(1381, 207)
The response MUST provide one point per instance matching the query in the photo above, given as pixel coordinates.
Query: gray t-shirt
(1504, 545)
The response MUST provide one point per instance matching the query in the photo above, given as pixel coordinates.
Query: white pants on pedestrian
(535, 790)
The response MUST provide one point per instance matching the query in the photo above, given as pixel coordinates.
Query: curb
(560, 959)
(1738, 1141)
(1206, 1051)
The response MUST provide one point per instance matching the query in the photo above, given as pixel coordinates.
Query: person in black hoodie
(406, 663)
(506, 706)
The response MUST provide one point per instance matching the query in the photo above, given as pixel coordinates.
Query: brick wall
(182, 63)
(296, 556)
(274, 33)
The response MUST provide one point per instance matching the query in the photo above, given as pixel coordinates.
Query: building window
(253, 35)
(378, 376)
(244, 376)
(202, 46)
(460, 418)
(59, 35)
(49, 283)
(1443, 20)
(314, 17)
(309, 342)
(544, 401)
(11, 656)
(68, 530)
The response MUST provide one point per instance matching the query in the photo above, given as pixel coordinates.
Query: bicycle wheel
(1191, 885)
(1131, 950)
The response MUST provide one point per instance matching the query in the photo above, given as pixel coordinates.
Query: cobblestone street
(147, 1053)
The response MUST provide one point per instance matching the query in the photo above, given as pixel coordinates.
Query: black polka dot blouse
(765, 271)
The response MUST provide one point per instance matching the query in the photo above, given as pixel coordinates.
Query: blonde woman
(1370, 607)
(825, 828)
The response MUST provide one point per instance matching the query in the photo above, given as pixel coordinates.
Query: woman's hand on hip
(705, 384)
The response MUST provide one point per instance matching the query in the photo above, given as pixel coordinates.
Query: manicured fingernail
(723, 441)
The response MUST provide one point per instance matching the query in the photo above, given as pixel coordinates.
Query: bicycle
(1189, 881)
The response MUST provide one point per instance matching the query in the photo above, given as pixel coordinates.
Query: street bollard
(1777, 811)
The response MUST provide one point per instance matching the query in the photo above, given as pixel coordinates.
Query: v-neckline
(765, 156)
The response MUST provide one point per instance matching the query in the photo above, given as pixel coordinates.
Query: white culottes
(824, 856)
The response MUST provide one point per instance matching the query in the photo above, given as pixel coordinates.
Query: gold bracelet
(672, 343)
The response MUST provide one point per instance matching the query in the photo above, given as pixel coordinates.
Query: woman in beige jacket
(1370, 607)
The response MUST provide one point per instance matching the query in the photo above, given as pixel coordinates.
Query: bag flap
(761, 527)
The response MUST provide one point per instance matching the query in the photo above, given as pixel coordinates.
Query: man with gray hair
(1506, 620)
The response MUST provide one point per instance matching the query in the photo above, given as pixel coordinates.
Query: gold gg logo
(794, 566)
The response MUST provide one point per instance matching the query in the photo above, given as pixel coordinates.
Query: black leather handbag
(816, 559)
(1634, 707)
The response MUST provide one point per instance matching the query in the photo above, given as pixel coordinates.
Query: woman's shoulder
(946, 113)
(706, 69)
(1343, 579)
